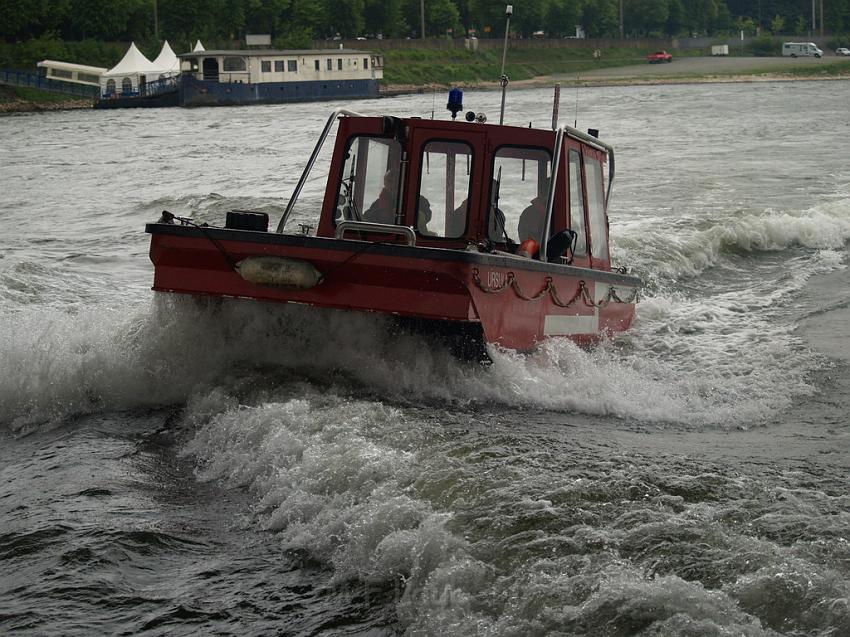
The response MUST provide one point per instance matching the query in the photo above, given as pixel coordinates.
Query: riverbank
(610, 72)
(24, 100)
(684, 70)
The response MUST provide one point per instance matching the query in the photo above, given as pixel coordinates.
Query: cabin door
(143, 85)
(210, 69)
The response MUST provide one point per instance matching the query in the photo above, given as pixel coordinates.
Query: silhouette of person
(532, 220)
(456, 222)
(382, 209)
(423, 218)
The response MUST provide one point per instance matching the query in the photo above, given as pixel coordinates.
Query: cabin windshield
(518, 194)
(443, 204)
(369, 188)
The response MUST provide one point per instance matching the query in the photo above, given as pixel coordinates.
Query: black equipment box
(247, 220)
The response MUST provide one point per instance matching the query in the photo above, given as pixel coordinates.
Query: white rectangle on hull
(560, 325)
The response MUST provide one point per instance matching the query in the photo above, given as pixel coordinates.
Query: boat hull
(516, 302)
(157, 100)
(194, 92)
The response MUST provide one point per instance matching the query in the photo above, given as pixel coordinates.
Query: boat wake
(166, 353)
(665, 255)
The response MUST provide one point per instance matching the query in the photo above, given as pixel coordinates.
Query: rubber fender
(279, 272)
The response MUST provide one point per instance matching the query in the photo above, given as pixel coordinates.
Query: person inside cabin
(532, 220)
(382, 209)
(423, 217)
(456, 221)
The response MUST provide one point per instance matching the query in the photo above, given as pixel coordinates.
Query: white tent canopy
(198, 47)
(125, 76)
(166, 62)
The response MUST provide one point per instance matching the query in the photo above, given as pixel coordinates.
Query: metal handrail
(14, 77)
(325, 132)
(384, 228)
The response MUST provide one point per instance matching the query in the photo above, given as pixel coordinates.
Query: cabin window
(369, 185)
(86, 77)
(292, 66)
(126, 85)
(365, 63)
(278, 66)
(316, 64)
(596, 209)
(339, 64)
(518, 194)
(577, 204)
(330, 64)
(110, 87)
(233, 64)
(443, 204)
(266, 66)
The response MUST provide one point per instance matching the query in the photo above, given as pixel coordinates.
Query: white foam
(331, 479)
(687, 246)
(684, 362)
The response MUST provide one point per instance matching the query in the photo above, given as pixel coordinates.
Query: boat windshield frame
(334, 116)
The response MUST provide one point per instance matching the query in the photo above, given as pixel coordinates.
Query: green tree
(723, 21)
(700, 15)
(307, 17)
(101, 19)
(777, 25)
(385, 17)
(563, 17)
(643, 17)
(265, 16)
(675, 17)
(600, 18)
(345, 17)
(530, 17)
(440, 16)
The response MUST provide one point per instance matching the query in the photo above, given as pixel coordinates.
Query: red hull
(517, 302)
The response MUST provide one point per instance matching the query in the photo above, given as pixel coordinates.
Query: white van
(801, 49)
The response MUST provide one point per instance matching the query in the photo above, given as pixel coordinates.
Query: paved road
(700, 66)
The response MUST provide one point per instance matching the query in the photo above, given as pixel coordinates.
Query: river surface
(170, 467)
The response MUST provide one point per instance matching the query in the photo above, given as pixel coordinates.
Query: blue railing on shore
(33, 80)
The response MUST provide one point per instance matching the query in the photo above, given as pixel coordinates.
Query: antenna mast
(503, 79)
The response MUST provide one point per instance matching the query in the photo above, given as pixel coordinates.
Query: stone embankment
(11, 102)
(25, 106)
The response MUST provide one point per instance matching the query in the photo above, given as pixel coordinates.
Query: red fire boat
(472, 232)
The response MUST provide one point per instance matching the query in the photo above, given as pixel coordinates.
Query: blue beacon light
(455, 104)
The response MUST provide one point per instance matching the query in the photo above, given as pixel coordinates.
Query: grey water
(176, 467)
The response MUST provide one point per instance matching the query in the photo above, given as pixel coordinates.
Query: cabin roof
(68, 66)
(270, 52)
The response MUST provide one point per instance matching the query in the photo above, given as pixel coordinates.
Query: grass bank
(20, 99)
(416, 67)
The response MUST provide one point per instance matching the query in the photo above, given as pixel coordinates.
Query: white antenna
(503, 79)
(556, 106)
(575, 121)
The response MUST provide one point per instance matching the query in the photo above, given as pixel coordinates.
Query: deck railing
(156, 87)
(25, 79)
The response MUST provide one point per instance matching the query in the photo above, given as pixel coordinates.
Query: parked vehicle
(842, 51)
(658, 57)
(719, 49)
(801, 49)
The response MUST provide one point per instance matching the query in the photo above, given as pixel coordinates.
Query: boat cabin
(461, 185)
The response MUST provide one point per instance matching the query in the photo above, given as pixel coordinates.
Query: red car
(658, 57)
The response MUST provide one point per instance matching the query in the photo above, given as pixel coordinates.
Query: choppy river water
(170, 467)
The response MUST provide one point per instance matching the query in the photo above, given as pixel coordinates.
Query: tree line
(299, 22)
